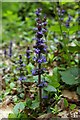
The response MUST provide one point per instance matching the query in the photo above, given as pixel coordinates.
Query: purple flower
(37, 19)
(39, 61)
(20, 60)
(67, 23)
(43, 59)
(22, 78)
(34, 72)
(38, 11)
(10, 43)
(44, 23)
(34, 58)
(39, 27)
(45, 83)
(37, 50)
(45, 97)
(28, 53)
(61, 18)
(23, 65)
(39, 34)
(10, 51)
(41, 85)
(44, 18)
(63, 11)
(44, 30)
(44, 49)
(69, 18)
(5, 52)
(35, 29)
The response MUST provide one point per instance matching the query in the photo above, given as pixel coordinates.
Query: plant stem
(40, 90)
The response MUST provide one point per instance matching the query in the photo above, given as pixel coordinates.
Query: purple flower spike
(5, 52)
(40, 48)
(10, 51)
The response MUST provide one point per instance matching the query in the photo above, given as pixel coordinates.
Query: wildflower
(28, 54)
(5, 52)
(45, 97)
(37, 50)
(10, 43)
(22, 78)
(63, 11)
(21, 68)
(68, 21)
(40, 48)
(10, 49)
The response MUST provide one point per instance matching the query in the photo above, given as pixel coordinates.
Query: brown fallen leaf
(63, 114)
(4, 111)
(45, 116)
(70, 95)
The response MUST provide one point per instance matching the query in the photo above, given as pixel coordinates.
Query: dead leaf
(63, 114)
(45, 116)
(70, 94)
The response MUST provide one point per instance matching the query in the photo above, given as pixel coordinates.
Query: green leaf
(63, 1)
(29, 67)
(12, 115)
(65, 102)
(50, 88)
(72, 106)
(55, 28)
(73, 48)
(73, 29)
(70, 76)
(53, 80)
(35, 104)
(18, 108)
(12, 85)
(78, 89)
(28, 102)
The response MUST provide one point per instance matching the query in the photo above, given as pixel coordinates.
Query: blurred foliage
(18, 19)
